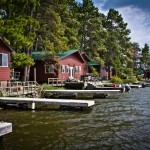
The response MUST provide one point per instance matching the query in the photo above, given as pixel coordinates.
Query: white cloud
(138, 19)
(138, 22)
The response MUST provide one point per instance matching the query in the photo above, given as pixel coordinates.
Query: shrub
(116, 79)
(131, 79)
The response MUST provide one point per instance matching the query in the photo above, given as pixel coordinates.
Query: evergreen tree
(136, 58)
(118, 54)
(50, 36)
(19, 26)
(145, 57)
(91, 33)
(69, 19)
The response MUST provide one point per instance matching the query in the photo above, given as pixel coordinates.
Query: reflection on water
(118, 124)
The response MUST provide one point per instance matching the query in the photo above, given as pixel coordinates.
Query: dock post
(33, 105)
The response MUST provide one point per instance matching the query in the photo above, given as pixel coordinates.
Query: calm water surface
(112, 124)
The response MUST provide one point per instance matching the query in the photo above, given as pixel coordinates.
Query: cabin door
(71, 73)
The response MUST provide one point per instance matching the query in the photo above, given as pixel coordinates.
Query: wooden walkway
(61, 102)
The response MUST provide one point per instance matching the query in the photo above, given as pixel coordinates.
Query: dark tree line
(59, 25)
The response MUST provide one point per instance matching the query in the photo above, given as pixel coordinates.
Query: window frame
(62, 68)
(78, 69)
(3, 62)
(66, 68)
(50, 67)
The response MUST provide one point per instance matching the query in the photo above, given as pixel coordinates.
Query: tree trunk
(28, 73)
(25, 74)
(109, 72)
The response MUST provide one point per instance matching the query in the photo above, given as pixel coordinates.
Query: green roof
(63, 54)
(92, 63)
(39, 54)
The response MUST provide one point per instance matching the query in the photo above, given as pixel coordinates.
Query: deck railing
(56, 81)
(14, 75)
(18, 88)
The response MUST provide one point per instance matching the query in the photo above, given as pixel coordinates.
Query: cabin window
(49, 68)
(62, 68)
(67, 69)
(78, 69)
(3, 60)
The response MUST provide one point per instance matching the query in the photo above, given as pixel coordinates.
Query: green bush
(131, 79)
(139, 78)
(116, 79)
(50, 87)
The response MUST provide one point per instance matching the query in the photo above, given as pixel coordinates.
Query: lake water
(121, 123)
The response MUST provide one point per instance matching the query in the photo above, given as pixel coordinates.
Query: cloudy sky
(134, 12)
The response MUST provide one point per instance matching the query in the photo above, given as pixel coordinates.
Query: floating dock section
(61, 102)
(5, 128)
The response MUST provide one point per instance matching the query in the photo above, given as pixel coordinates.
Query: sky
(136, 13)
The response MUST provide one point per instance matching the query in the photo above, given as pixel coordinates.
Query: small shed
(5, 51)
(71, 66)
(147, 74)
(100, 68)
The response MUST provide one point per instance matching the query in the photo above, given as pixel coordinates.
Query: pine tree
(145, 56)
(91, 33)
(19, 26)
(118, 54)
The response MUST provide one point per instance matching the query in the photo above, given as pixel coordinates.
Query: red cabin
(71, 66)
(5, 52)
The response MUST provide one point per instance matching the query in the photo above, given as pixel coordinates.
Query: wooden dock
(61, 102)
(78, 94)
(5, 128)
(135, 85)
(83, 91)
